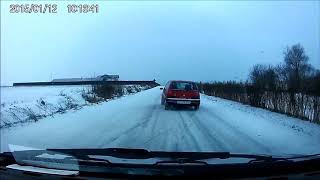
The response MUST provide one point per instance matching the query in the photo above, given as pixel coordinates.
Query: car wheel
(162, 102)
(166, 106)
(196, 107)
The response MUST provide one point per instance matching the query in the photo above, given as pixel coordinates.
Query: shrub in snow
(31, 114)
(91, 97)
(107, 91)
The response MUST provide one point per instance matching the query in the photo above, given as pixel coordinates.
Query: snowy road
(139, 121)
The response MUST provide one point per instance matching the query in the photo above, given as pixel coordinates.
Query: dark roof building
(104, 77)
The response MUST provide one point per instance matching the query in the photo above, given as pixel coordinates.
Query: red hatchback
(180, 93)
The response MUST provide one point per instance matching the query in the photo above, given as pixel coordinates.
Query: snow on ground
(139, 121)
(29, 104)
(26, 104)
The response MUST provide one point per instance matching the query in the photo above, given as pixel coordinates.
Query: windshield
(183, 86)
(172, 76)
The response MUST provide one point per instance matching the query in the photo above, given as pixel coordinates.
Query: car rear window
(183, 86)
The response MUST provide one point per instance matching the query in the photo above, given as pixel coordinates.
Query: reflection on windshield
(43, 158)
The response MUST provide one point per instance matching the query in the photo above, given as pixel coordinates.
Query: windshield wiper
(86, 155)
(261, 158)
(173, 157)
(127, 153)
(114, 152)
(181, 161)
(199, 160)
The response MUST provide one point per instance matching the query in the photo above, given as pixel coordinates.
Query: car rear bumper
(179, 101)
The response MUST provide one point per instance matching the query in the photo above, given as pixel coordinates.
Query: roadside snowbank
(29, 104)
(267, 125)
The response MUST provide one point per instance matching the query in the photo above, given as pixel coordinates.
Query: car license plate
(183, 102)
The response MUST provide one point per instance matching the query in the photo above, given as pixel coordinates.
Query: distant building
(105, 77)
(74, 79)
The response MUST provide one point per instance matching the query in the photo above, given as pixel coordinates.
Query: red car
(180, 93)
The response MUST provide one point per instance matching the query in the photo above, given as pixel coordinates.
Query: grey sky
(162, 40)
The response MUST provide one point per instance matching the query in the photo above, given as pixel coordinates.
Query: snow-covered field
(139, 121)
(29, 104)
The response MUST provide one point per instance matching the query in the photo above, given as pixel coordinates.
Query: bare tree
(292, 87)
(296, 64)
(257, 76)
(282, 75)
(264, 77)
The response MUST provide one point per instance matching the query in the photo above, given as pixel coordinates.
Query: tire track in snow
(172, 134)
(131, 131)
(188, 131)
(213, 140)
(155, 117)
(204, 131)
(245, 139)
(164, 132)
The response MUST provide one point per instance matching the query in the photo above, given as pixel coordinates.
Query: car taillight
(195, 95)
(170, 93)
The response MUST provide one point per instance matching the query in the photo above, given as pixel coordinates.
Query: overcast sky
(156, 40)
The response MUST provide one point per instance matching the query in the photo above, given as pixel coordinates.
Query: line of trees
(291, 87)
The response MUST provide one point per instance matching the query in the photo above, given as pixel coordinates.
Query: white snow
(18, 104)
(16, 148)
(29, 104)
(139, 121)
